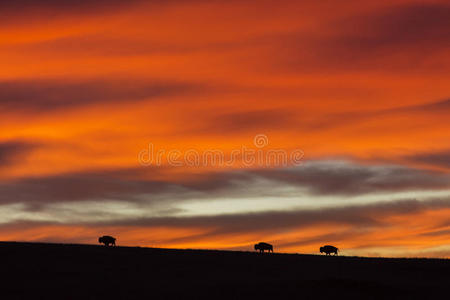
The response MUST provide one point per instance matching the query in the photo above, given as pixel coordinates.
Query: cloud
(437, 109)
(390, 37)
(83, 186)
(415, 24)
(98, 45)
(253, 120)
(442, 232)
(439, 159)
(370, 215)
(140, 185)
(11, 151)
(54, 7)
(341, 178)
(47, 95)
(354, 224)
(27, 10)
(359, 229)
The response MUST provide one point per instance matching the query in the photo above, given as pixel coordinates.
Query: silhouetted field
(58, 271)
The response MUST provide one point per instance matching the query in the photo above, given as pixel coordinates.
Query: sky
(220, 124)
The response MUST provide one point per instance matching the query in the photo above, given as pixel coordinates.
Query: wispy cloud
(11, 151)
(49, 95)
(141, 185)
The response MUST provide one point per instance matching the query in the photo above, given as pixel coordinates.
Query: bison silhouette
(107, 240)
(328, 249)
(263, 246)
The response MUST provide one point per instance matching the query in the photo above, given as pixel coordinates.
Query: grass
(70, 271)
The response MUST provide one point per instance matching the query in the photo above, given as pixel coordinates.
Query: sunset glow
(360, 89)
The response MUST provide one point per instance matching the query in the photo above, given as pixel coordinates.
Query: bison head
(321, 249)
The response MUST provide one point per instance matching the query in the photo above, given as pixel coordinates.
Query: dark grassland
(59, 271)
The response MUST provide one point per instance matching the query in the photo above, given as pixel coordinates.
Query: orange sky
(360, 88)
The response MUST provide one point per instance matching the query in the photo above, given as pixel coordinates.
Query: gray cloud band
(137, 185)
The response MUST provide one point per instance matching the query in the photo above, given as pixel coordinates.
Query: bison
(107, 240)
(263, 246)
(328, 249)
